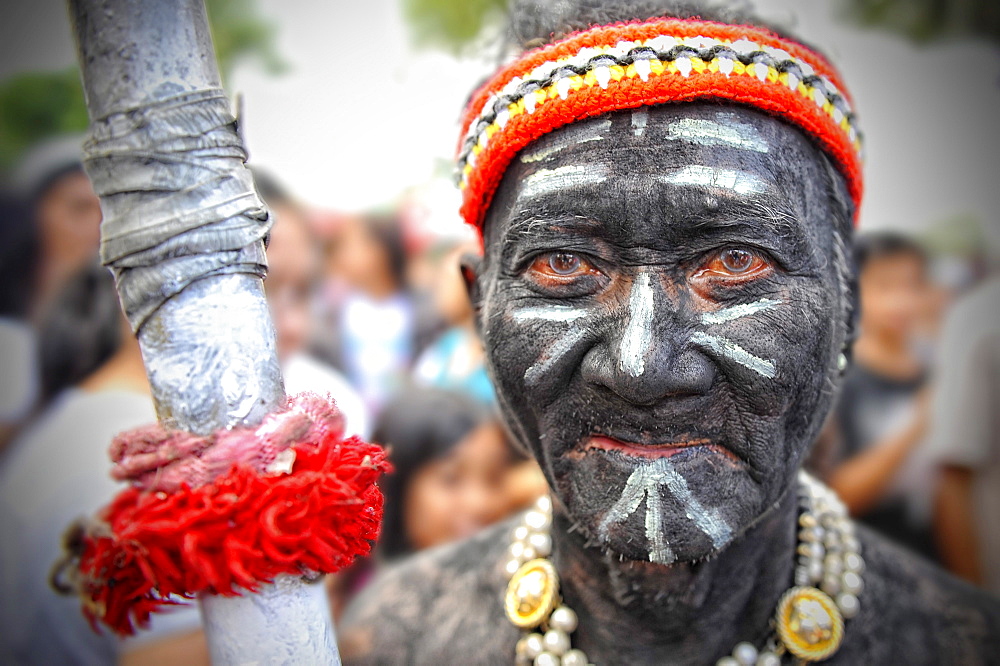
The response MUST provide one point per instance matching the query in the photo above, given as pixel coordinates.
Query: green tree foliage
(926, 20)
(38, 105)
(35, 106)
(239, 33)
(452, 25)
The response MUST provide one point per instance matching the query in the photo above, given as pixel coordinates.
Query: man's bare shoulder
(915, 612)
(435, 607)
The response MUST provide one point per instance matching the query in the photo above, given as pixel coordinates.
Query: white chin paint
(646, 483)
(638, 332)
(740, 182)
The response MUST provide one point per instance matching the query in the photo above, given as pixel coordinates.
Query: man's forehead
(673, 159)
(672, 128)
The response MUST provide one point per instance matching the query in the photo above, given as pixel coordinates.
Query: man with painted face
(665, 302)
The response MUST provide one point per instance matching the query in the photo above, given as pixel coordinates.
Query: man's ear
(471, 266)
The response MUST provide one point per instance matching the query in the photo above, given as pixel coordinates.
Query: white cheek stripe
(561, 313)
(638, 332)
(734, 352)
(556, 351)
(738, 311)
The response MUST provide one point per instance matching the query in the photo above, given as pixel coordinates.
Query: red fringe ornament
(235, 533)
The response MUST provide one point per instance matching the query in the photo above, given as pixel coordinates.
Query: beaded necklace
(808, 623)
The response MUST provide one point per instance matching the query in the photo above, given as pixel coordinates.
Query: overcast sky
(360, 116)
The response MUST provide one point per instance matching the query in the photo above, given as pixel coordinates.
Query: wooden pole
(207, 339)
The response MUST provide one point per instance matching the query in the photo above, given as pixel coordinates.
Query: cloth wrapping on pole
(180, 161)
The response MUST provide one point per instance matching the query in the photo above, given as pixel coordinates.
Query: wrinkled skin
(650, 373)
(663, 299)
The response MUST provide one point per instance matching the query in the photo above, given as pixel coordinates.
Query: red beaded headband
(625, 66)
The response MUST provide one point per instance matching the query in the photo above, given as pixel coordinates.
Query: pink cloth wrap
(155, 459)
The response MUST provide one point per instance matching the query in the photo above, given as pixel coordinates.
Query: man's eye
(563, 263)
(735, 262)
(560, 265)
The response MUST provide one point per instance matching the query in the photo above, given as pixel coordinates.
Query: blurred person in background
(50, 230)
(292, 277)
(373, 325)
(451, 460)
(881, 418)
(80, 331)
(455, 359)
(57, 471)
(19, 371)
(65, 212)
(965, 437)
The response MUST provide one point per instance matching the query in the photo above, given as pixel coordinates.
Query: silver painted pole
(197, 305)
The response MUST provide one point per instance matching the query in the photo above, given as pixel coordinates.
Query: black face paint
(661, 310)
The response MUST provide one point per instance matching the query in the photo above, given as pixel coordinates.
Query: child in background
(883, 476)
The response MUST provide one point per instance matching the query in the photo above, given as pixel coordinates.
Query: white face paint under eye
(548, 313)
(549, 181)
(732, 351)
(638, 331)
(581, 132)
(738, 311)
(739, 182)
(712, 133)
(558, 349)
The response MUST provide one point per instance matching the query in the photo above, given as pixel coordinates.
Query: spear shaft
(188, 256)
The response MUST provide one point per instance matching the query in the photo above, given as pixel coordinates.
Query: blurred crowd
(372, 308)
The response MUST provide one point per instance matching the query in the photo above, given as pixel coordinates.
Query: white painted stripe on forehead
(738, 311)
(582, 132)
(740, 182)
(734, 352)
(548, 313)
(547, 181)
(638, 331)
(640, 117)
(711, 133)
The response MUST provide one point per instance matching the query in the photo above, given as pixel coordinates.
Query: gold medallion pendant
(809, 623)
(532, 593)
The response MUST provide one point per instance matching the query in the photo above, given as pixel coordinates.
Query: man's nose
(646, 354)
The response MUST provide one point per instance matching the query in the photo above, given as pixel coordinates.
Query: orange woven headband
(624, 66)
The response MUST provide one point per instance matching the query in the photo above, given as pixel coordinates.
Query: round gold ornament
(532, 593)
(809, 623)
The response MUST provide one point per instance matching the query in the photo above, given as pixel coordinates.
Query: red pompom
(239, 531)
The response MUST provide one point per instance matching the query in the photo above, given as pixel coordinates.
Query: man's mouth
(649, 450)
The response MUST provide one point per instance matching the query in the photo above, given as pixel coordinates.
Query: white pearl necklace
(808, 622)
